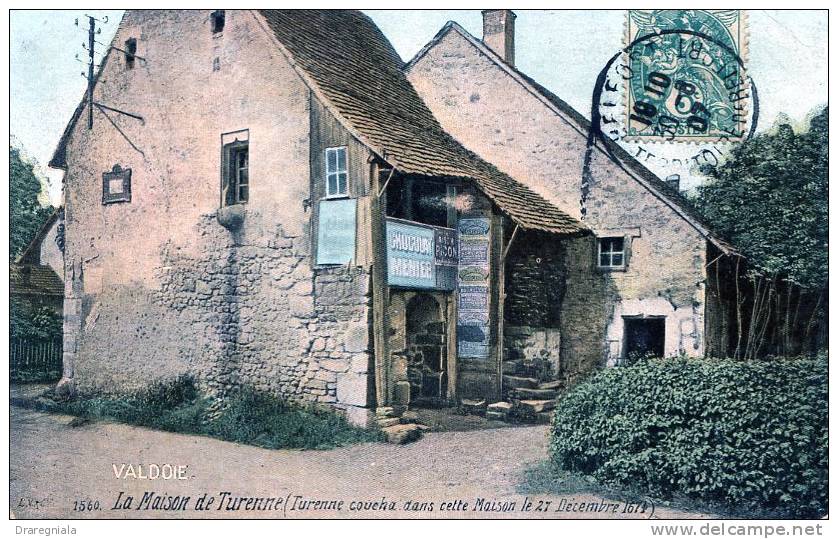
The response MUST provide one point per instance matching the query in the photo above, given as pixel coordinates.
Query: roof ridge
(398, 127)
(562, 109)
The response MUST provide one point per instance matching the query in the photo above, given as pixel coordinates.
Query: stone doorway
(426, 350)
(644, 336)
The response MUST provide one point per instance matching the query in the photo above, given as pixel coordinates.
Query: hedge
(750, 435)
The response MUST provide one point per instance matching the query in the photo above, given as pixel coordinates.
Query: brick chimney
(499, 33)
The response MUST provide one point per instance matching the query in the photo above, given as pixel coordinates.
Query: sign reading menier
(412, 255)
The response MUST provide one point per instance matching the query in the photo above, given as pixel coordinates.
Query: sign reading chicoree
(420, 256)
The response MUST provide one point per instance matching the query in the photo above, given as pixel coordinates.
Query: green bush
(750, 435)
(33, 322)
(245, 416)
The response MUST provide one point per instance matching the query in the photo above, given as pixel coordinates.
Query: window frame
(327, 173)
(130, 52)
(117, 174)
(231, 173)
(218, 19)
(601, 241)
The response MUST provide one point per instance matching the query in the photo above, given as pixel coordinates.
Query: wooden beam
(451, 333)
(500, 259)
(380, 290)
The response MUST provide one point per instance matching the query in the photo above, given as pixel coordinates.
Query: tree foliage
(770, 198)
(33, 322)
(27, 215)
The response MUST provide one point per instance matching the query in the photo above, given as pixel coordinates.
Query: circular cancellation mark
(670, 98)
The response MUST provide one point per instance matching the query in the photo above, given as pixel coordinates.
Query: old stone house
(36, 275)
(282, 210)
(36, 294)
(289, 206)
(647, 280)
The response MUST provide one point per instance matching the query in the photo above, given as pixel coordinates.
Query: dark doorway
(643, 336)
(426, 350)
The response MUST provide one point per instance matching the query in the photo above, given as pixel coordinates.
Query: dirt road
(61, 471)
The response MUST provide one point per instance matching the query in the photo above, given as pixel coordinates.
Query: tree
(27, 215)
(770, 198)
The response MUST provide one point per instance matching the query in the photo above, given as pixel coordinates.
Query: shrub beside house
(750, 436)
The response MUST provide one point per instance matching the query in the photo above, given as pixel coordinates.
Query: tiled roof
(25, 279)
(355, 69)
(671, 194)
(622, 158)
(33, 249)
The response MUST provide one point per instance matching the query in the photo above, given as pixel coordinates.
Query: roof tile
(360, 74)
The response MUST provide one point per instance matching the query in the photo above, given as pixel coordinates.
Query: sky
(563, 50)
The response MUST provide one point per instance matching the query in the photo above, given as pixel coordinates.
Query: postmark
(678, 144)
(685, 76)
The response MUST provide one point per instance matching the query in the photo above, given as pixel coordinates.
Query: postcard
(419, 264)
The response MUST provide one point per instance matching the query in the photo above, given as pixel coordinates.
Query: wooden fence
(35, 360)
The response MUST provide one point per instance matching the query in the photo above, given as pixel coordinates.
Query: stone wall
(493, 112)
(534, 352)
(535, 289)
(158, 287)
(535, 280)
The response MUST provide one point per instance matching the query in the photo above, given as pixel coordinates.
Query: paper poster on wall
(473, 329)
(336, 231)
(473, 342)
(474, 298)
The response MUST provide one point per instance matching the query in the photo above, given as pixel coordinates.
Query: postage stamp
(687, 75)
(340, 264)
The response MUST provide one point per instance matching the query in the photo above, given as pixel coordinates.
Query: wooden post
(91, 44)
(451, 330)
(500, 258)
(380, 291)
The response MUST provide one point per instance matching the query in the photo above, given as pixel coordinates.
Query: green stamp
(685, 76)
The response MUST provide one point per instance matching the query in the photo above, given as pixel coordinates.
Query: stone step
(402, 434)
(475, 407)
(534, 407)
(384, 422)
(555, 384)
(514, 382)
(523, 393)
(500, 406)
(409, 417)
(385, 411)
(499, 410)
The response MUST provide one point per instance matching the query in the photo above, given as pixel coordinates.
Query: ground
(56, 464)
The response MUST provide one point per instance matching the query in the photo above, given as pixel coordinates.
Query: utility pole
(91, 65)
(91, 43)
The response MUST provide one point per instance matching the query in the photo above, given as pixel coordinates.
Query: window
(336, 175)
(217, 19)
(116, 185)
(130, 52)
(612, 253)
(236, 183)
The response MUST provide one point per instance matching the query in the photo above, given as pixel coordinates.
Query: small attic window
(130, 53)
(217, 19)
